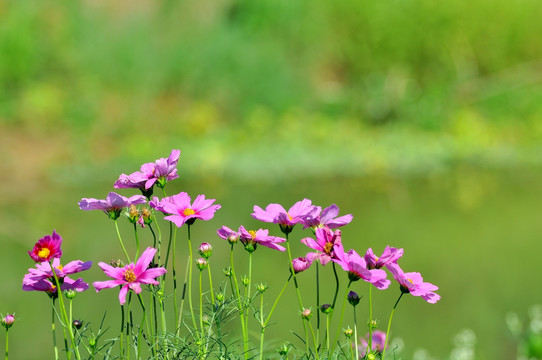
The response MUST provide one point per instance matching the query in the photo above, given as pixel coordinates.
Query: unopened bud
(116, 263)
(300, 264)
(326, 308)
(227, 271)
(306, 313)
(205, 250)
(245, 280)
(133, 214)
(70, 294)
(353, 298)
(261, 288)
(201, 263)
(284, 349)
(77, 324)
(220, 297)
(7, 321)
(372, 324)
(348, 333)
(233, 238)
(92, 342)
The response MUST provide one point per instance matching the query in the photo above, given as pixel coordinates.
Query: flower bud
(7, 321)
(353, 298)
(201, 263)
(116, 263)
(284, 349)
(133, 214)
(245, 280)
(372, 324)
(306, 314)
(233, 238)
(146, 215)
(77, 324)
(300, 264)
(205, 250)
(261, 288)
(92, 341)
(348, 333)
(220, 297)
(326, 308)
(227, 271)
(371, 356)
(70, 294)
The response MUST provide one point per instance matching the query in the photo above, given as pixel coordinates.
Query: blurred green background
(422, 119)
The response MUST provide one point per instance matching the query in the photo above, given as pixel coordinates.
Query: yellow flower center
(289, 216)
(60, 267)
(252, 233)
(376, 258)
(328, 247)
(410, 281)
(129, 276)
(44, 253)
(188, 212)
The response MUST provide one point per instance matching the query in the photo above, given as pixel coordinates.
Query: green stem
(137, 240)
(143, 320)
(370, 342)
(342, 316)
(313, 340)
(356, 336)
(53, 328)
(248, 300)
(317, 305)
(64, 314)
(263, 326)
(121, 342)
(389, 326)
(121, 243)
(7, 343)
(277, 300)
(183, 297)
(211, 286)
(201, 313)
(190, 280)
(240, 304)
(174, 275)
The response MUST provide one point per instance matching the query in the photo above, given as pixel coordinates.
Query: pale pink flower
(276, 214)
(329, 217)
(181, 211)
(112, 205)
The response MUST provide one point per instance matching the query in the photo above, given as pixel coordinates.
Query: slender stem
(263, 326)
(211, 286)
(137, 240)
(328, 321)
(190, 280)
(336, 286)
(352, 350)
(240, 304)
(247, 305)
(389, 326)
(356, 336)
(201, 307)
(183, 297)
(370, 342)
(143, 320)
(121, 331)
(174, 275)
(53, 328)
(317, 305)
(63, 312)
(121, 243)
(277, 300)
(342, 316)
(7, 343)
(313, 339)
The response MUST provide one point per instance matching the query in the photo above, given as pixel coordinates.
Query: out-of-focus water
(474, 233)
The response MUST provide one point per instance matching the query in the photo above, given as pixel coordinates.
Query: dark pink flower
(412, 282)
(377, 344)
(324, 245)
(356, 267)
(160, 172)
(251, 238)
(180, 210)
(389, 256)
(326, 218)
(276, 214)
(112, 205)
(301, 264)
(131, 276)
(46, 248)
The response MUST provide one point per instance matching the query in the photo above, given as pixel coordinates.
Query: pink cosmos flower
(412, 282)
(41, 277)
(7, 321)
(131, 276)
(46, 248)
(276, 214)
(326, 218)
(251, 238)
(161, 171)
(324, 245)
(112, 205)
(181, 211)
(356, 267)
(301, 264)
(389, 256)
(377, 344)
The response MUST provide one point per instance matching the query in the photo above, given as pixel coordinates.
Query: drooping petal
(122, 294)
(144, 260)
(107, 284)
(149, 275)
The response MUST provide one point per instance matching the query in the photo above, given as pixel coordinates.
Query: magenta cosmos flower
(41, 277)
(180, 210)
(389, 256)
(356, 267)
(412, 282)
(46, 248)
(130, 276)
(276, 214)
(301, 264)
(159, 172)
(251, 238)
(329, 217)
(112, 205)
(324, 245)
